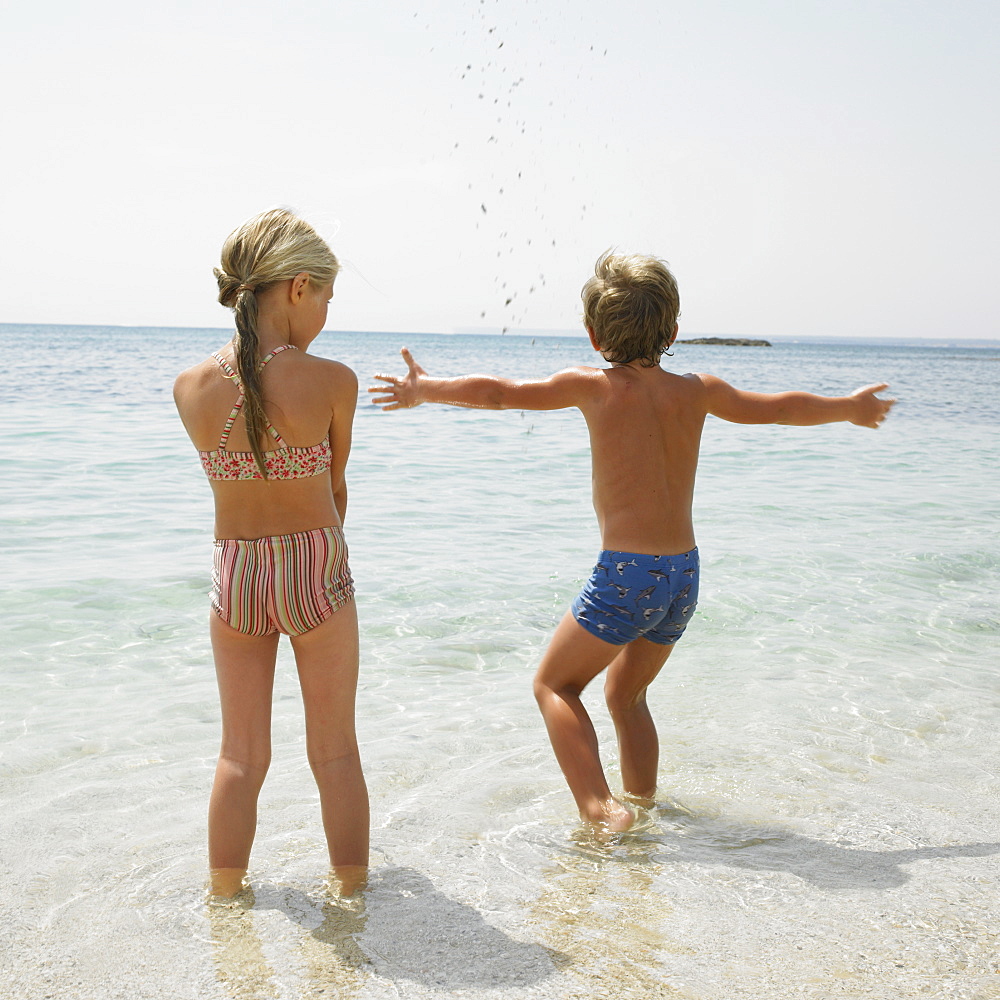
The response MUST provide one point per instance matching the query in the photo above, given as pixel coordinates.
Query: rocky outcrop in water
(727, 342)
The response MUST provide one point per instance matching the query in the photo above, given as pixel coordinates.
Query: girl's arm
(345, 401)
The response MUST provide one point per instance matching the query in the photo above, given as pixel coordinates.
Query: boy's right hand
(869, 410)
(400, 393)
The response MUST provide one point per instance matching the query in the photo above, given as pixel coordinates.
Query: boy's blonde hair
(631, 305)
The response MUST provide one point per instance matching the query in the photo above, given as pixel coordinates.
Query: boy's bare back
(645, 429)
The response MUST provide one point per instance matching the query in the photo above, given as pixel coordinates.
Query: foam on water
(828, 816)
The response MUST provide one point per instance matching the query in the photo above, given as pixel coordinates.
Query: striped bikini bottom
(283, 583)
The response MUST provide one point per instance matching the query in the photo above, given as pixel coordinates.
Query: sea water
(828, 820)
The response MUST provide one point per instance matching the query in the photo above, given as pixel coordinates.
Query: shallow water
(828, 816)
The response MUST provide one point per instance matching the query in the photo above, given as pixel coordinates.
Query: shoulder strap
(229, 373)
(263, 361)
(238, 405)
(277, 350)
(226, 367)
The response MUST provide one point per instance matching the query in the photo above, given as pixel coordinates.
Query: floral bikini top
(283, 463)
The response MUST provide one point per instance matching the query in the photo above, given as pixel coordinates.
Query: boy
(645, 427)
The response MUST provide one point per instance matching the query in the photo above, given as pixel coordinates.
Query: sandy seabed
(789, 916)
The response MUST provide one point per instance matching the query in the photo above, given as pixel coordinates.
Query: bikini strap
(277, 350)
(229, 372)
(238, 405)
(226, 367)
(263, 361)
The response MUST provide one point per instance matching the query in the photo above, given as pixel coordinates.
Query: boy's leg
(630, 673)
(244, 667)
(327, 662)
(574, 657)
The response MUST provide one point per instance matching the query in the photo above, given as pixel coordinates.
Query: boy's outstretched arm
(565, 388)
(802, 409)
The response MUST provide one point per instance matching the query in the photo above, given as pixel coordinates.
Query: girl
(273, 427)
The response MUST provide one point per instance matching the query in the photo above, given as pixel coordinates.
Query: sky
(807, 167)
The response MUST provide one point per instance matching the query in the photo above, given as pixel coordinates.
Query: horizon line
(578, 334)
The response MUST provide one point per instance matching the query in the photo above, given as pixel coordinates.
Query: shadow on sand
(403, 928)
(678, 834)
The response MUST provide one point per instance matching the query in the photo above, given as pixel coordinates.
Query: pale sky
(807, 167)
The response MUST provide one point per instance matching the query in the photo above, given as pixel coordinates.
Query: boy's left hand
(400, 393)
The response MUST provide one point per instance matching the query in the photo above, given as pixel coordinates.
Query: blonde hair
(271, 247)
(631, 305)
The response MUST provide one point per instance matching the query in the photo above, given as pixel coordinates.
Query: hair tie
(246, 288)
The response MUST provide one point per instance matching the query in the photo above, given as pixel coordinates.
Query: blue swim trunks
(631, 595)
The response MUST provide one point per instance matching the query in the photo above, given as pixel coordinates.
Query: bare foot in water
(644, 801)
(226, 882)
(612, 815)
(346, 880)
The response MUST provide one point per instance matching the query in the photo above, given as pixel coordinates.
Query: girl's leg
(327, 661)
(244, 666)
(630, 673)
(574, 657)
